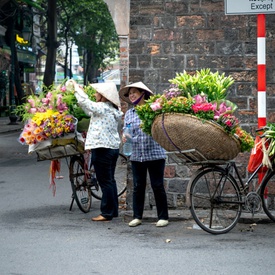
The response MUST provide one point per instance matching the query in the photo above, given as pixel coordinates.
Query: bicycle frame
(244, 185)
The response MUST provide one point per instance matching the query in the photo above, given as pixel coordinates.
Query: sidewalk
(6, 127)
(149, 215)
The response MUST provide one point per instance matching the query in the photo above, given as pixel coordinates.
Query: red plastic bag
(256, 156)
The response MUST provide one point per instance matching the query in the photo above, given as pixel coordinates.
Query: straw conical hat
(108, 90)
(123, 92)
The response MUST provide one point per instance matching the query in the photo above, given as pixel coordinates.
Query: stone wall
(169, 36)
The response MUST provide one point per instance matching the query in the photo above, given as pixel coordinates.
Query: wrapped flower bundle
(51, 115)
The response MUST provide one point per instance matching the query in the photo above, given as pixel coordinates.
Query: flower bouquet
(50, 117)
(51, 124)
(195, 114)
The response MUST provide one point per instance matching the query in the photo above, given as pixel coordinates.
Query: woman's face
(134, 94)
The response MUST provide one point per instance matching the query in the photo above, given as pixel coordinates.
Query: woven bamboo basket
(179, 132)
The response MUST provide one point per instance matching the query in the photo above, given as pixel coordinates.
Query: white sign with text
(249, 6)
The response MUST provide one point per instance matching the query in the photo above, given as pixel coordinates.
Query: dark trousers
(104, 161)
(156, 174)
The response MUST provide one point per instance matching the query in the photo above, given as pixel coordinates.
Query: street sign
(249, 6)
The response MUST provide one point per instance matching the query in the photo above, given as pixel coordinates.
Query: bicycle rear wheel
(81, 192)
(120, 177)
(215, 201)
(268, 195)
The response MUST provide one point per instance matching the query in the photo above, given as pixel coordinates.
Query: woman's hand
(123, 138)
(70, 84)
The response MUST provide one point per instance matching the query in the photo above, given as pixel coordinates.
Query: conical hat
(123, 92)
(108, 90)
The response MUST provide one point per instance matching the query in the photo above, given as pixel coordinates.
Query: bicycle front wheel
(81, 192)
(215, 201)
(268, 195)
(120, 177)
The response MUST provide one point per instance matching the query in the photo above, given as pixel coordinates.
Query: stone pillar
(120, 12)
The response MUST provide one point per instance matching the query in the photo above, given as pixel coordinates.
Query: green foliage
(147, 115)
(58, 98)
(91, 26)
(71, 102)
(246, 140)
(213, 85)
(173, 105)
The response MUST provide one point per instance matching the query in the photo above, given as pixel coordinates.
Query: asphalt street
(41, 236)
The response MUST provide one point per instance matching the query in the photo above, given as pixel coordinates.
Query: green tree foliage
(91, 26)
(85, 22)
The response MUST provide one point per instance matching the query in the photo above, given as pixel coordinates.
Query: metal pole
(261, 60)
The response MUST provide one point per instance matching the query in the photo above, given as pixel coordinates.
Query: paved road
(40, 236)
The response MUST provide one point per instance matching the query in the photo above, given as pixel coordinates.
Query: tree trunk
(91, 67)
(52, 44)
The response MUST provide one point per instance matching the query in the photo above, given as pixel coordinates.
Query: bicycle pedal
(84, 200)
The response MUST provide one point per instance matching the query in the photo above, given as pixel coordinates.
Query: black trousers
(104, 161)
(156, 174)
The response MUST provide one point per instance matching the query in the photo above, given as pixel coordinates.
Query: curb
(185, 215)
(6, 127)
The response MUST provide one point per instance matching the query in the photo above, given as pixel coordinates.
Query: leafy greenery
(246, 140)
(213, 85)
(173, 105)
(60, 98)
(71, 102)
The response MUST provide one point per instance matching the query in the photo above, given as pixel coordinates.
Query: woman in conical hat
(104, 140)
(145, 92)
(147, 156)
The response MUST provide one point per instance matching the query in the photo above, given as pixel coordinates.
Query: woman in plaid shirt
(147, 156)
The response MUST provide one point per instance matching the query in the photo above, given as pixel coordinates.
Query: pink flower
(222, 109)
(32, 103)
(199, 99)
(62, 107)
(63, 89)
(45, 101)
(32, 110)
(49, 95)
(156, 106)
(41, 110)
(59, 100)
(202, 107)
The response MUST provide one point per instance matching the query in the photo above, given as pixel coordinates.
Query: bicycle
(84, 183)
(216, 199)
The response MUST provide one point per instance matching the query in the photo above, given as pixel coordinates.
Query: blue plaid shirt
(144, 146)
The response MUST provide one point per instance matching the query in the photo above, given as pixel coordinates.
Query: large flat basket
(180, 132)
(51, 149)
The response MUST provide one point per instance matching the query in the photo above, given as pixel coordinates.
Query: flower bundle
(47, 125)
(51, 115)
(202, 95)
(60, 99)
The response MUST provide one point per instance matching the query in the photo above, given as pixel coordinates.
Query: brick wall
(169, 36)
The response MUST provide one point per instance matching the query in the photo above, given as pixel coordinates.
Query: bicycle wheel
(215, 201)
(120, 177)
(268, 195)
(81, 193)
